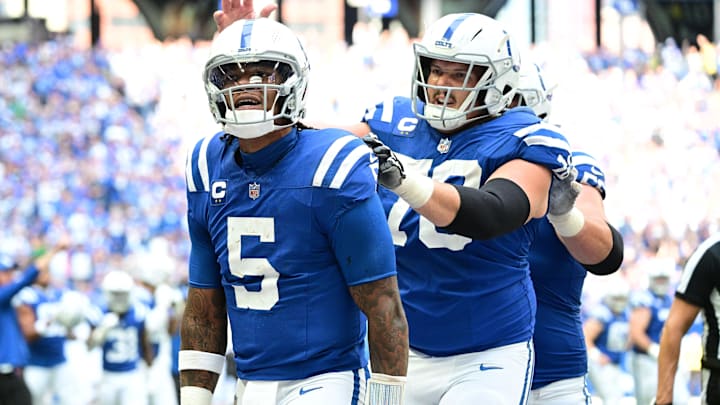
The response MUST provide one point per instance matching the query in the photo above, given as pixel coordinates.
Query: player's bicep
(590, 203)
(362, 243)
(204, 271)
(532, 178)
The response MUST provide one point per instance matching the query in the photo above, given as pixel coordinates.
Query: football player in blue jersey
(558, 277)
(607, 338)
(39, 311)
(463, 177)
(119, 330)
(14, 351)
(289, 241)
(649, 310)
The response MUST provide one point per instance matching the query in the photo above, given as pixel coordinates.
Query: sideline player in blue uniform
(119, 330)
(649, 310)
(14, 353)
(289, 241)
(558, 277)
(607, 338)
(470, 174)
(39, 311)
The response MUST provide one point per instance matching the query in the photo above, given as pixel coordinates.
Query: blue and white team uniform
(46, 373)
(468, 302)
(123, 381)
(265, 229)
(608, 379)
(560, 352)
(644, 366)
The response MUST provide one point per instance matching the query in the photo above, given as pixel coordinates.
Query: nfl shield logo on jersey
(254, 190)
(444, 145)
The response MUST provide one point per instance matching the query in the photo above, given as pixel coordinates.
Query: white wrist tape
(195, 396)
(383, 389)
(41, 327)
(653, 350)
(415, 189)
(197, 360)
(569, 224)
(594, 354)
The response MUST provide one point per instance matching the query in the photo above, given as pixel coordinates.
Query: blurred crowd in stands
(93, 143)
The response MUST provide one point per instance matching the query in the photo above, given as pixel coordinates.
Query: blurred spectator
(14, 353)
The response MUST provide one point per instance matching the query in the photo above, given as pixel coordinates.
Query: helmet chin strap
(253, 130)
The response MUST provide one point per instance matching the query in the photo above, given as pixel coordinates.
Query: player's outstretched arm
(234, 10)
(681, 316)
(203, 334)
(501, 205)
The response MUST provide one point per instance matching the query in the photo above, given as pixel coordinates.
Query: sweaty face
(451, 74)
(245, 81)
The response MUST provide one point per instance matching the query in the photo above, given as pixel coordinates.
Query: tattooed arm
(387, 326)
(203, 329)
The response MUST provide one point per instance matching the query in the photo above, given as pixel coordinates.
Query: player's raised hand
(390, 171)
(234, 10)
(563, 194)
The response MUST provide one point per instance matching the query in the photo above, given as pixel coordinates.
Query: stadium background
(96, 114)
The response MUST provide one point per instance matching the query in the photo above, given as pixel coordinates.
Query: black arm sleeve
(614, 259)
(498, 207)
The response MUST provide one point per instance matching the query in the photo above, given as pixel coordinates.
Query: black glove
(390, 171)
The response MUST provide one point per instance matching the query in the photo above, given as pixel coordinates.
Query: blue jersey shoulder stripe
(543, 134)
(347, 164)
(329, 157)
(198, 173)
(582, 158)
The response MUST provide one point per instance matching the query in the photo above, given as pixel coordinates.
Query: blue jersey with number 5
(462, 295)
(264, 231)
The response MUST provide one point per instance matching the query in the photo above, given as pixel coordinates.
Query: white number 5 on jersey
(267, 297)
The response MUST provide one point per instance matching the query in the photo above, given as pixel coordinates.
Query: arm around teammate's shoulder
(598, 246)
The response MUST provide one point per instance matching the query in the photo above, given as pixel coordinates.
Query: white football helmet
(117, 286)
(268, 43)
(478, 41)
(659, 277)
(617, 296)
(533, 91)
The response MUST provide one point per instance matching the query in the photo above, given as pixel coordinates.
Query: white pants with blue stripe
(342, 388)
(497, 376)
(570, 391)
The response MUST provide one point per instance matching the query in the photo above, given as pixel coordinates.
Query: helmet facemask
(263, 102)
(483, 98)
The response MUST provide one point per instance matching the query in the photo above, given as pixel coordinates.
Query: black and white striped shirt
(700, 286)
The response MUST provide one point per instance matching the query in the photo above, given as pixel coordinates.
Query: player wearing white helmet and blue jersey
(649, 310)
(289, 241)
(119, 331)
(560, 262)
(463, 175)
(43, 317)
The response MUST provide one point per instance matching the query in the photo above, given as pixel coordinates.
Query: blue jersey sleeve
(346, 176)
(393, 116)
(589, 171)
(363, 244)
(546, 146)
(204, 269)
